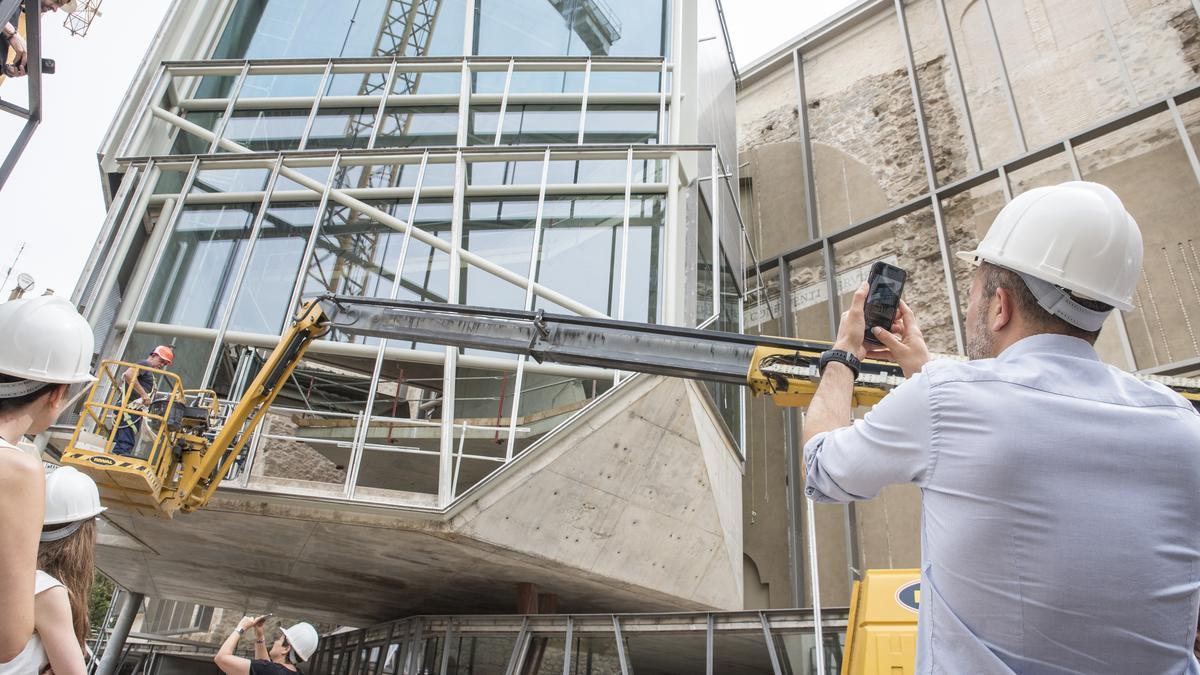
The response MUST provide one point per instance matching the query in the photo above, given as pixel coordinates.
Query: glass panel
(190, 144)
(317, 173)
(581, 27)
(1050, 171)
(545, 655)
(625, 82)
(577, 235)
(1156, 65)
(308, 433)
(528, 80)
(1146, 165)
(866, 150)
(981, 71)
(595, 655)
(968, 215)
(945, 118)
(195, 274)
(728, 397)
(797, 651)
(230, 180)
(403, 127)
(267, 130)
(532, 124)
(614, 124)
(417, 82)
(909, 242)
(355, 255)
(403, 438)
(274, 86)
(740, 653)
(283, 29)
(191, 354)
(341, 128)
(479, 655)
(482, 403)
(657, 654)
(705, 280)
(500, 230)
(547, 400)
(274, 263)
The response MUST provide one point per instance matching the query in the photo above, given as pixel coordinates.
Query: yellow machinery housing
(881, 637)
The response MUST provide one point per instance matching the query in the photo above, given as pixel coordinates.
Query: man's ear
(1001, 310)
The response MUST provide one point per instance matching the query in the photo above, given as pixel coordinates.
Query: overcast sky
(53, 203)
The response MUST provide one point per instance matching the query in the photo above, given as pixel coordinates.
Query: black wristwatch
(841, 356)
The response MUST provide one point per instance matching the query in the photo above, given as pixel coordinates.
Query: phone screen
(885, 284)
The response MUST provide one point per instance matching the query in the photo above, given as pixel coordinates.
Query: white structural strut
(391, 221)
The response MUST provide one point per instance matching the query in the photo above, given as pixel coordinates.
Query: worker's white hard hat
(303, 639)
(71, 500)
(1076, 237)
(43, 339)
(69, 6)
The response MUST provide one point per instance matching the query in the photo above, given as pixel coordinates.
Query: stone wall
(292, 459)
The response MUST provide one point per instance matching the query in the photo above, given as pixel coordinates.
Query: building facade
(576, 156)
(896, 131)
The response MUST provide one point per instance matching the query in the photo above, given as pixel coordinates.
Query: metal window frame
(33, 114)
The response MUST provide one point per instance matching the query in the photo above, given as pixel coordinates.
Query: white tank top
(33, 658)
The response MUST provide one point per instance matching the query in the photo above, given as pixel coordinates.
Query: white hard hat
(71, 499)
(1076, 236)
(70, 6)
(44, 339)
(303, 639)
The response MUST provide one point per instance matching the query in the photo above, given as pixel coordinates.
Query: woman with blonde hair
(64, 577)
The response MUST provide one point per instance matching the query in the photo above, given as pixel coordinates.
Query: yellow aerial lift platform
(188, 452)
(188, 449)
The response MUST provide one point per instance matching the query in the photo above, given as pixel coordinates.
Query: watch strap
(841, 356)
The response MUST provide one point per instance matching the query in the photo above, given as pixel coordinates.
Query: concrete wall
(1066, 76)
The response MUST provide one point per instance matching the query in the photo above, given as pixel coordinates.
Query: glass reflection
(195, 275)
(572, 27)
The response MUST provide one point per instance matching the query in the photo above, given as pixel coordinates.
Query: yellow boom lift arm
(190, 450)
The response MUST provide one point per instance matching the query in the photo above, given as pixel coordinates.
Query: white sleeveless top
(33, 658)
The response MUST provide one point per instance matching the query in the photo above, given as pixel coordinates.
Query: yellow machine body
(881, 638)
(797, 391)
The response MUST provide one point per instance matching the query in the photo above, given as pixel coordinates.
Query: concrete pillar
(116, 643)
(527, 598)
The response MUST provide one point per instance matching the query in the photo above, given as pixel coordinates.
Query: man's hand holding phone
(903, 344)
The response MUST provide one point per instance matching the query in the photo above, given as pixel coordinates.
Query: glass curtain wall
(436, 197)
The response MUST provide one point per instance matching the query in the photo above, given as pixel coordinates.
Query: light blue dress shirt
(1060, 529)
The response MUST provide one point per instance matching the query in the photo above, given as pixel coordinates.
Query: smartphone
(884, 286)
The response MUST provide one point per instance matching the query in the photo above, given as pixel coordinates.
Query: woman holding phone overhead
(291, 647)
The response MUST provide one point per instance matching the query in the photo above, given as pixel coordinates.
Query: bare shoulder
(21, 477)
(16, 467)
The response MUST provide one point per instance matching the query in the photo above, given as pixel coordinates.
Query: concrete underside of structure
(634, 506)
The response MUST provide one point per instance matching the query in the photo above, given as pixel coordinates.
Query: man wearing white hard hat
(292, 647)
(45, 347)
(1060, 495)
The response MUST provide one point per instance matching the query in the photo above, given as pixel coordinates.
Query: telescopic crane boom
(192, 450)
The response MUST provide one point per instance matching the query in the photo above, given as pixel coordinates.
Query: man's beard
(980, 341)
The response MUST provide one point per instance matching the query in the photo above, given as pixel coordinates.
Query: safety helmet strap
(21, 388)
(1059, 302)
(63, 532)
